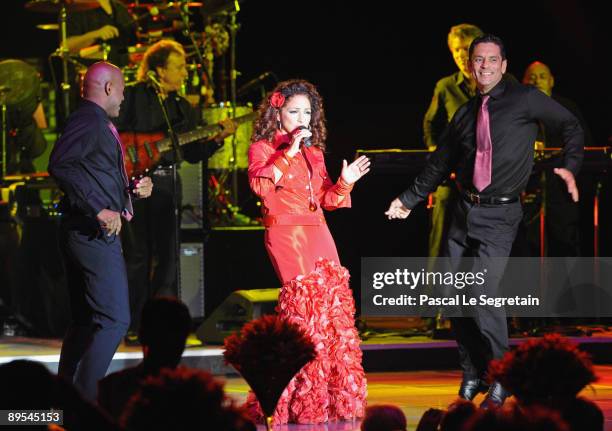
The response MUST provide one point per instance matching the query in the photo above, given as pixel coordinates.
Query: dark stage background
(376, 64)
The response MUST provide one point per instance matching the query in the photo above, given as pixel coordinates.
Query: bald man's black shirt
(86, 163)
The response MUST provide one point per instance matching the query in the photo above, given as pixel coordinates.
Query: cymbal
(55, 6)
(188, 4)
(162, 6)
(48, 26)
(20, 81)
(26, 177)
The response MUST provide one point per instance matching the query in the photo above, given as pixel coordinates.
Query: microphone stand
(176, 156)
(233, 29)
(189, 34)
(64, 53)
(3, 91)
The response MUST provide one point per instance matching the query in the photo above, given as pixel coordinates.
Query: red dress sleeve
(261, 163)
(329, 197)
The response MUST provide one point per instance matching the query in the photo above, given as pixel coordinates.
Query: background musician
(450, 93)
(562, 214)
(100, 33)
(149, 243)
(109, 24)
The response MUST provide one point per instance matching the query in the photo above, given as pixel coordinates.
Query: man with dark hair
(87, 162)
(489, 143)
(164, 328)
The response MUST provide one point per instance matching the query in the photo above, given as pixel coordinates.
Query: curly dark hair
(265, 126)
(549, 371)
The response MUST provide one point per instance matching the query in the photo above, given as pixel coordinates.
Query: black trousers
(97, 284)
(484, 232)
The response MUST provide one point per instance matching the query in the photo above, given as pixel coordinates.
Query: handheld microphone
(306, 141)
(153, 79)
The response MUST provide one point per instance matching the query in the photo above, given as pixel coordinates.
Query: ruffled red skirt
(333, 385)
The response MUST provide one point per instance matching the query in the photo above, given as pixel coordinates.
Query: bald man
(562, 213)
(539, 75)
(87, 163)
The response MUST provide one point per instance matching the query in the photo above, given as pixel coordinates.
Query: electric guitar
(143, 151)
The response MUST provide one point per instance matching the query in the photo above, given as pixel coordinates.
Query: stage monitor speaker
(192, 278)
(238, 308)
(193, 205)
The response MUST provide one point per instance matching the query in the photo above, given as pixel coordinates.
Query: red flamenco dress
(315, 288)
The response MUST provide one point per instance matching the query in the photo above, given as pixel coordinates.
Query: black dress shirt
(515, 111)
(554, 137)
(86, 163)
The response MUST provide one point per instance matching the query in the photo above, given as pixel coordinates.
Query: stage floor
(416, 391)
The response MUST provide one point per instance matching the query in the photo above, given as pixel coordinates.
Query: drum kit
(152, 22)
(19, 90)
(206, 30)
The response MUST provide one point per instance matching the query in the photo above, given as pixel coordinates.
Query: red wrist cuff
(343, 188)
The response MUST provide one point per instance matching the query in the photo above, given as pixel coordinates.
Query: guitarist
(149, 243)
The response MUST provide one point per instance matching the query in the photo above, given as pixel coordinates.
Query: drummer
(104, 32)
(98, 30)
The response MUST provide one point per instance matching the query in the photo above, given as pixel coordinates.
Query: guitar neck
(201, 133)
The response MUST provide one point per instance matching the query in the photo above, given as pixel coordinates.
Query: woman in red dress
(287, 171)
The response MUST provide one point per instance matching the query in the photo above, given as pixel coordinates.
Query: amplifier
(191, 290)
(193, 193)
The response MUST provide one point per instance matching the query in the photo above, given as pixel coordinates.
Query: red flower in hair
(277, 100)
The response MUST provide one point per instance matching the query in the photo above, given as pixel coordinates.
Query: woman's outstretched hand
(353, 172)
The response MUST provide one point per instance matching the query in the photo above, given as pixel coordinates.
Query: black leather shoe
(471, 387)
(495, 396)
